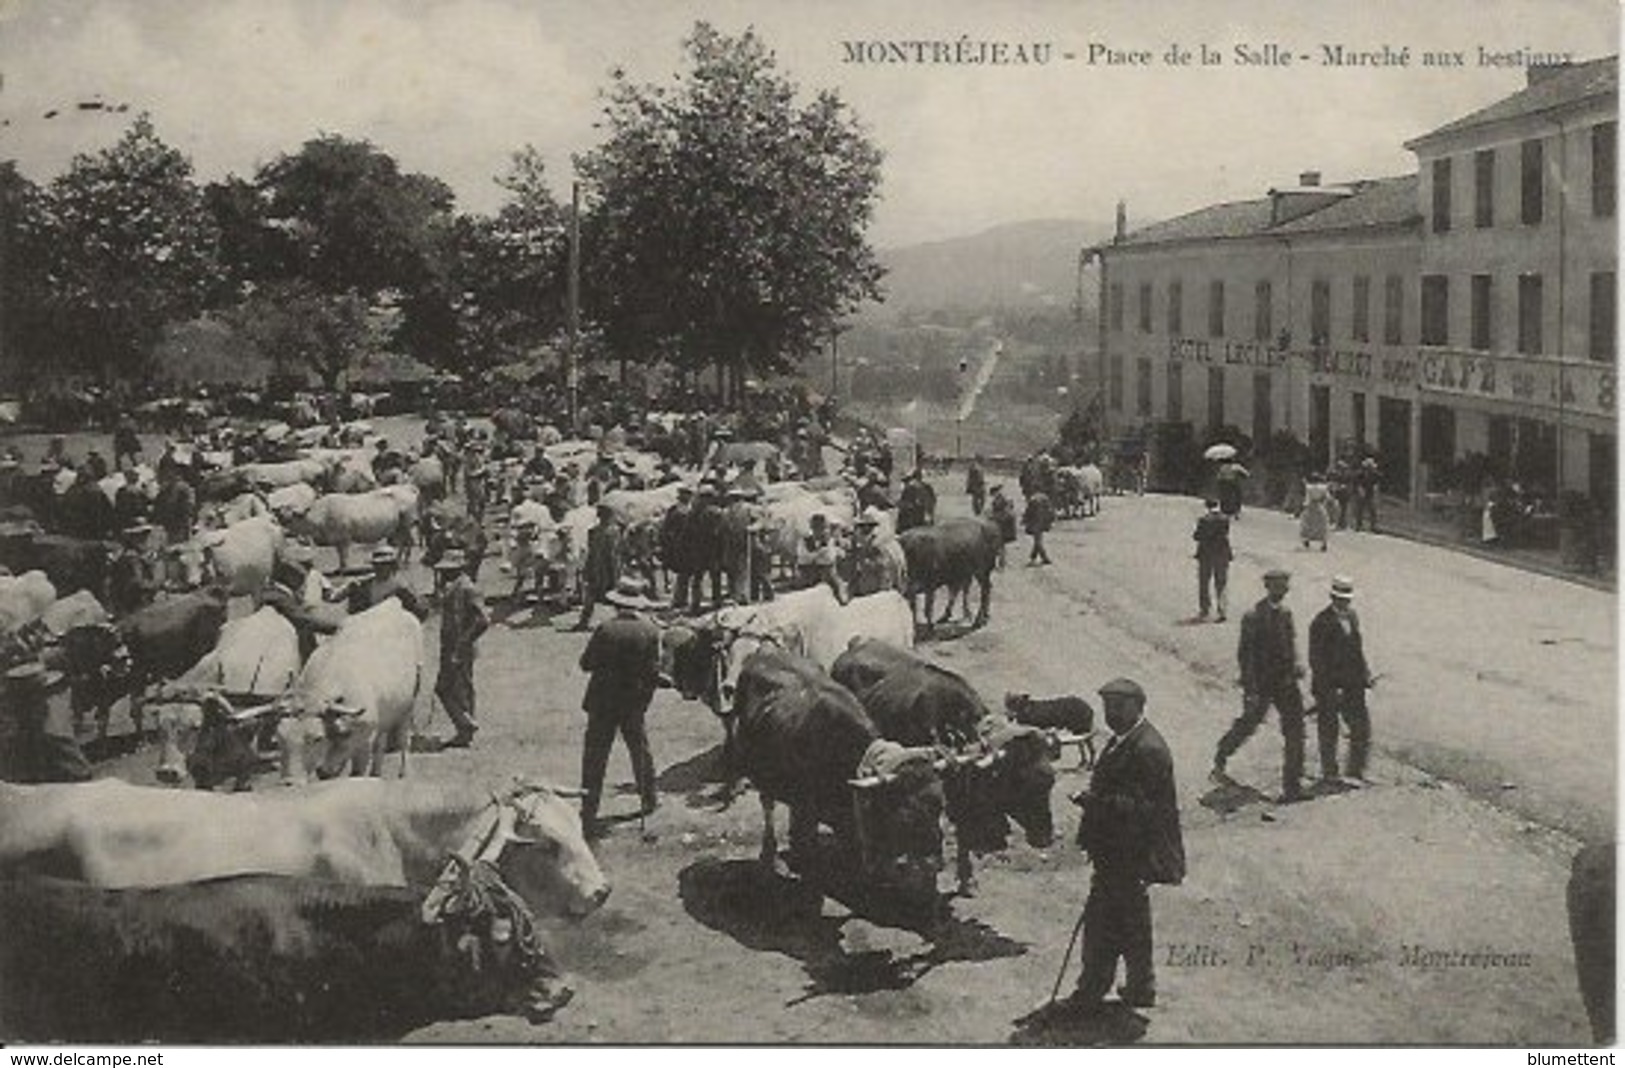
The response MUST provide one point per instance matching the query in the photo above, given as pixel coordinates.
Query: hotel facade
(1468, 308)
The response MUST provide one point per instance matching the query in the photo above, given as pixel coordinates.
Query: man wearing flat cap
(1130, 829)
(1268, 655)
(1339, 680)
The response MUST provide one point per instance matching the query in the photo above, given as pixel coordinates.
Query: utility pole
(574, 301)
(834, 361)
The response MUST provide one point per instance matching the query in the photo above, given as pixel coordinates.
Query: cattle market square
(390, 654)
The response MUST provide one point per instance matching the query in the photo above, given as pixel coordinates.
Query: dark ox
(805, 740)
(262, 959)
(71, 563)
(105, 662)
(1592, 911)
(953, 553)
(1001, 771)
(1056, 716)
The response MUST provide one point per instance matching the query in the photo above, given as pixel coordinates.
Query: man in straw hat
(386, 582)
(463, 618)
(622, 660)
(1339, 681)
(1268, 656)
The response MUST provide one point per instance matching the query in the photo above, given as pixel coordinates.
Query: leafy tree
(131, 247)
(301, 327)
(341, 217)
(509, 268)
(727, 219)
(24, 299)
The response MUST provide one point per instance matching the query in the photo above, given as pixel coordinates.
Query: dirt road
(1341, 920)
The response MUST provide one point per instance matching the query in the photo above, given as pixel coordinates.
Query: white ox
(790, 519)
(79, 609)
(145, 481)
(341, 520)
(354, 697)
(362, 832)
(536, 543)
(255, 656)
(239, 557)
(286, 501)
(636, 507)
(284, 473)
(810, 623)
(23, 598)
(1080, 488)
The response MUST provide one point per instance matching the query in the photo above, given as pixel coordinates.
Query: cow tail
(411, 718)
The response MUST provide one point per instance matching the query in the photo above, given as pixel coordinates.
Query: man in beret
(1130, 829)
(1339, 680)
(37, 746)
(1268, 655)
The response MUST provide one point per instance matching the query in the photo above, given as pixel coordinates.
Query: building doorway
(1394, 445)
(1215, 398)
(1320, 426)
(1602, 472)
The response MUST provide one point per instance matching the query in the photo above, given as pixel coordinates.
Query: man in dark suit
(1130, 828)
(622, 660)
(1213, 555)
(1268, 656)
(1339, 681)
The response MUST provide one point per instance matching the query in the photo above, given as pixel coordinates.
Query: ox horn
(336, 709)
(868, 782)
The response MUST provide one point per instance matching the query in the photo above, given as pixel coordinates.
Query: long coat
(1132, 819)
(1313, 524)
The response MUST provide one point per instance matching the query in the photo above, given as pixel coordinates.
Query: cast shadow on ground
(1060, 1024)
(949, 631)
(769, 911)
(700, 779)
(1232, 797)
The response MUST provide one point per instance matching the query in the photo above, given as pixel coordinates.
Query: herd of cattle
(297, 913)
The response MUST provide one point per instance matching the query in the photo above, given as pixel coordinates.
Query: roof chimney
(1122, 222)
(1309, 179)
(1540, 72)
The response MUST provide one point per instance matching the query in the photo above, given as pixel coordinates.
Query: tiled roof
(1597, 77)
(1383, 202)
(1240, 218)
(1375, 203)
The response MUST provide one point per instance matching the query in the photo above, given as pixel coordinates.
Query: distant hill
(1022, 265)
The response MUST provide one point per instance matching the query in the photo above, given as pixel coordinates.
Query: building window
(1215, 308)
(1142, 387)
(1357, 410)
(1603, 310)
(1117, 307)
(1484, 188)
(1263, 311)
(1393, 310)
(1438, 444)
(1176, 307)
(1534, 182)
(1176, 392)
(1602, 169)
(1114, 385)
(1320, 312)
(1215, 397)
(1481, 313)
(1441, 196)
(1263, 409)
(1529, 314)
(1145, 307)
(1362, 308)
(1435, 309)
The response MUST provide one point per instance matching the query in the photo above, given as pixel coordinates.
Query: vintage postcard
(721, 522)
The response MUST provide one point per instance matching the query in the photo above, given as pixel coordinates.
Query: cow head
(898, 803)
(202, 736)
(318, 737)
(187, 566)
(534, 840)
(1019, 779)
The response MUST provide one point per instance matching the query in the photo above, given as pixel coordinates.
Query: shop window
(1145, 307)
(1143, 387)
(1114, 384)
(1604, 302)
(1116, 301)
(1263, 408)
(1176, 392)
(1215, 397)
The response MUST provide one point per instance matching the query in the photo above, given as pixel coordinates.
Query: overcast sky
(451, 88)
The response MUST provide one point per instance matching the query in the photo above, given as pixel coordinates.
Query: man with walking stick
(1130, 829)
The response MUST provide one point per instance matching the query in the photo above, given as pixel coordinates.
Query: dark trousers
(455, 688)
(1216, 573)
(1365, 510)
(1038, 555)
(1288, 704)
(601, 730)
(681, 582)
(978, 501)
(1348, 705)
(1116, 924)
